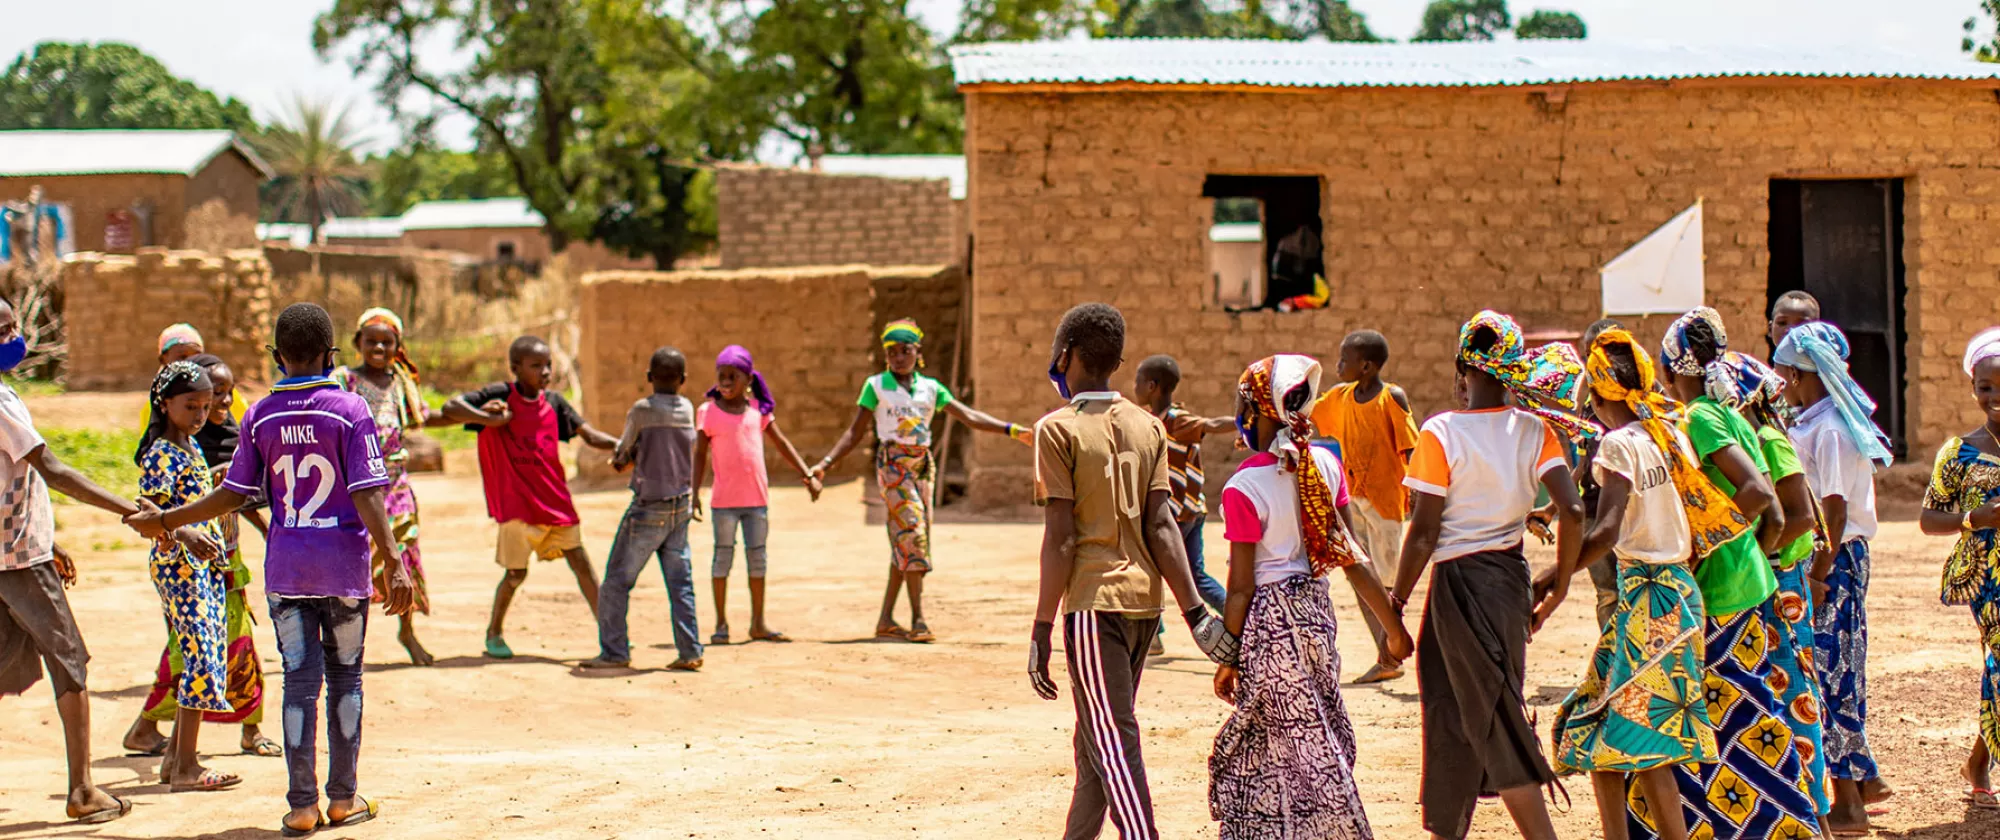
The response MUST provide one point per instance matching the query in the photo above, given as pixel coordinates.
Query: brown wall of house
(117, 306)
(221, 202)
(1437, 203)
(784, 217)
(92, 197)
(530, 245)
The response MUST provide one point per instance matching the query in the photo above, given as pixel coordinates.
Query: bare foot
(1848, 821)
(418, 656)
(144, 738)
(1876, 791)
(90, 800)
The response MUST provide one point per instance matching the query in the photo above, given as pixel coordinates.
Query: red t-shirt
(520, 464)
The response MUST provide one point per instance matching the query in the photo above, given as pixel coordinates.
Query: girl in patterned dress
(387, 379)
(1283, 765)
(187, 567)
(1964, 499)
(900, 404)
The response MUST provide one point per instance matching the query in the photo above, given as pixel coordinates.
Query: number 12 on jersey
(318, 471)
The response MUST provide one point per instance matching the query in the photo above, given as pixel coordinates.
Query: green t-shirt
(1784, 463)
(1736, 577)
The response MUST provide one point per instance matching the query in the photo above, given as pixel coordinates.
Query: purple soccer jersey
(305, 448)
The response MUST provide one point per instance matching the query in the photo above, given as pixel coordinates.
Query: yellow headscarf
(1713, 518)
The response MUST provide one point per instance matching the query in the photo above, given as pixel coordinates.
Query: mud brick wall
(117, 305)
(1439, 202)
(811, 331)
(784, 217)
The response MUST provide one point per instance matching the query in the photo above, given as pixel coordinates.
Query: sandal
(684, 665)
(1983, 798)
(497, 648)
(770, 636)
(105, 815)
(265, 747)
(1379, 673)
(285, 829)
(208, 782)
(720, 636)
(922, 635)
(156, 751)
(368, 811)
(891, 631)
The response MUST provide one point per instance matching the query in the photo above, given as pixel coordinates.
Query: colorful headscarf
(902, 331)
(735, 356)
(1743, 382)
(384, 317)
(1546, 381)
(1265, 385)
(178, 335)
(1713, 519)
(182, 377)
(1821, 348)
(1679, 354)
(1983, 346)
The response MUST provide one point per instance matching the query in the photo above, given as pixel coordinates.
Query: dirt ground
(834, 735)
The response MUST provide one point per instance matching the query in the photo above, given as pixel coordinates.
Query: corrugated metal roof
(479, 213)
(297, 235)
(362, 227)
(932, 167)
(116, 151)
(1493, 63)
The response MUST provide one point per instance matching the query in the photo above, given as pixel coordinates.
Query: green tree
(1027, 20)
(317, 173)
(1543, 23)
(108, 85)
(1463, 20)
(1980, 39)
(420, 171)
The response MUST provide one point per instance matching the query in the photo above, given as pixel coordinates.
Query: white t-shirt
(1485, 464)
(1655, 528)
(1260, 504)
(27, 522)
(1836, 467)
(903, 416)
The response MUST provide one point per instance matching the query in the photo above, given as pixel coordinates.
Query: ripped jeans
(320, 642)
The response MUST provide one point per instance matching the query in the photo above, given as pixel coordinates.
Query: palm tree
(318, 173)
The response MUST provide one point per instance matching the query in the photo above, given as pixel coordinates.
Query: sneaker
(685, 665)
(602, 663)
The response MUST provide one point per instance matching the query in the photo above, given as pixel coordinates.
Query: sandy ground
(835, 735)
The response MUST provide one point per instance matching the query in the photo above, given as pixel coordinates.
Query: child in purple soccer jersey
(310, 448)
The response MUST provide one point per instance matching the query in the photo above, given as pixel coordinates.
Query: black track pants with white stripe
(1106, 653)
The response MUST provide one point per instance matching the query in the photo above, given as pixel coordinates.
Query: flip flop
(1983, 798)
(892, 631)
(265, 747)
(1376, 674)
(158, 750)
(105, 815)
(209, 781)
(719, 637)
(496, 648)
(368, 812)
(684, 665)
(286, 830)
(773, 636)
(923, 636)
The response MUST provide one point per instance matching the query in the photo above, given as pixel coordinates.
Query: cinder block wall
(812, 331)
(785, 217)
(117, 305)
(1437, 203)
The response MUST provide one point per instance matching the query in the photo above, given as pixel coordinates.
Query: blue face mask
(1248, 434)
(1061, 382)
(13, 352)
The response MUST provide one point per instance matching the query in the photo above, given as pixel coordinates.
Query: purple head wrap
(735, 356)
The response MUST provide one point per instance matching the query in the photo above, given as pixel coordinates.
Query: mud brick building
(126, 190)
(1443, 178)
(851, 209)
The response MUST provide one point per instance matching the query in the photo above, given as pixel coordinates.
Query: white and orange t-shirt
(1485, 464)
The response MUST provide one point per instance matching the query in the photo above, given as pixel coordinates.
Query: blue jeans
(649, 529)
(1212, 592)
(756, 524)
(319, 640)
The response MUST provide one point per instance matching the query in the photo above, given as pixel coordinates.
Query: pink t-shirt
(1260, 505)
(735, 455)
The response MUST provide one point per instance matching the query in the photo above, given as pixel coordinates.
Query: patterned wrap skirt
(1986, 611)
(245, 681)
(1795, 677)
(401, 502)
(1283, 765)
(1757, 789)
(1841, 636)
(1643, 704)
(192, 593)
(905, 474)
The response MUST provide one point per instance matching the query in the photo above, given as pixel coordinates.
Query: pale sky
(260, 51)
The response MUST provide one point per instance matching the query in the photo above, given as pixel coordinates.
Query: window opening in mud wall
(505, 251)
(1264, 241)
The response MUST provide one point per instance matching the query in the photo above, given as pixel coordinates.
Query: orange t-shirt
(1375, 439)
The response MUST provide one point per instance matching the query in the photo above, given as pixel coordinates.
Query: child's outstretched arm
(595, 438)
(1569, 541)
(1376, 599)
(791, 455)
(1218, 426)
(1614, 495)
(402, 596)
(152, 523)
(848, 440)
(65, 479)
(458, 411)
(983, 422)
(700, 471)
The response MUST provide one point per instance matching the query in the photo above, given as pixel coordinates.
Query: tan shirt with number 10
(1106, 454)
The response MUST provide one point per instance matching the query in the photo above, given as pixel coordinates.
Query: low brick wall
(116, 306)
(787, 217)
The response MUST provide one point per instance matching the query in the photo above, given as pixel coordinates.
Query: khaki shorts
(520, 540)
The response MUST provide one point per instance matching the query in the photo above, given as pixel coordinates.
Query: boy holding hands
(520, 425)
(658, 447)
(1109, 538)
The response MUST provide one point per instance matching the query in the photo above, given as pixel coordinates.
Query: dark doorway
(1292, 244)
(1842, 242)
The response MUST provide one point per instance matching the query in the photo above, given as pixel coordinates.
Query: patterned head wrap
(902, 331)
(1744, 383)
(1677, 350)
(1266, 385)
(1713, 519)
(178, 335)
(1547, 381)
(383, 317)
(183, 377)
(1983, 346)
(1821, 348)
(735, 356)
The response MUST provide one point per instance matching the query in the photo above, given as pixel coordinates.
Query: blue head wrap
(1819, 347)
